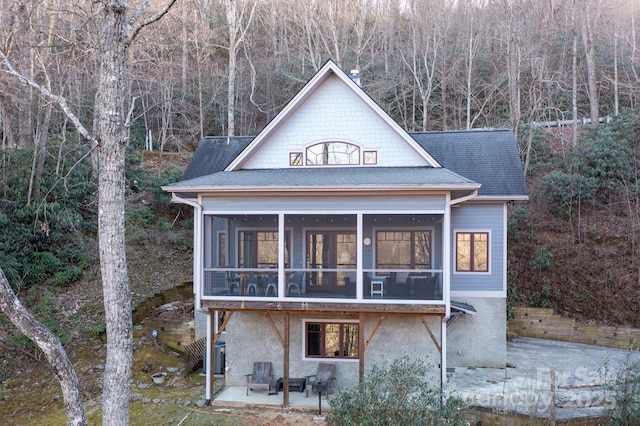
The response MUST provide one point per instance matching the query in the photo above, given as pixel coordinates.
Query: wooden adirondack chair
(325, 374)
(261, 377)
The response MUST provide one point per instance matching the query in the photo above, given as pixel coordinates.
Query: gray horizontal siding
(480, 217)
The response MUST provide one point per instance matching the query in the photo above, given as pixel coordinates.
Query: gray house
(336, 236)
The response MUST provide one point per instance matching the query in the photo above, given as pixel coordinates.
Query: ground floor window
(472, 251)
(331, 339)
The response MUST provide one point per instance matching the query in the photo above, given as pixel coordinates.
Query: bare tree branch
(60, 100)
(50, 345)
(148, 21)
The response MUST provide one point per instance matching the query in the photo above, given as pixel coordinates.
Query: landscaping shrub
(625, 395)
(398, 394)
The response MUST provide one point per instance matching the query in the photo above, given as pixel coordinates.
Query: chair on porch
(261, 377)
(425, 288)
(324, 375)
(295, 283)
(233, 282)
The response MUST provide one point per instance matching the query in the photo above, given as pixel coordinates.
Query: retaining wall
(543, 323)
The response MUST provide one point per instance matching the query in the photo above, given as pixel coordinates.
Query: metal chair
(295, 283)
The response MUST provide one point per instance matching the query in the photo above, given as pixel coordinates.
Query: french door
(329, 255)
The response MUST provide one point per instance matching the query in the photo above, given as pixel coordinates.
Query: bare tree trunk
(616, 94)
(233, 53)
(469, 76)
(50, 345)
(112, 138)
(574, 77)
(590, 54)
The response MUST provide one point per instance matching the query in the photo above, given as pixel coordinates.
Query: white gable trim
(328, 70)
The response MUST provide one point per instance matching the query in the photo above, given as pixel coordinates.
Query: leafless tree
(117, 30)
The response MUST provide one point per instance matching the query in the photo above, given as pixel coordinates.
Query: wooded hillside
(216, 67)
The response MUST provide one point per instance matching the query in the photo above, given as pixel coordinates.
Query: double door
(330, 256)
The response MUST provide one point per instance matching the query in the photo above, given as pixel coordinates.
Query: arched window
(333, 153)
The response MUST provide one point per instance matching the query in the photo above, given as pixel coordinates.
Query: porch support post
(287, 333)
(443, 355)
(281, 259)
(209, 357)
(361, 349)
(446, 287)
(359, 257)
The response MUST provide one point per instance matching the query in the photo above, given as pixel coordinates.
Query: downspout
(446, 263)
(197, 280)
(197, 245)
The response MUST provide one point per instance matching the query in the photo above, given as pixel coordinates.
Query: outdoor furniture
(261, 376)
(272, 290)
(377, 288)
(233, 281)
(295, 283)
(325, 375)
(295, 383)
(424, 288)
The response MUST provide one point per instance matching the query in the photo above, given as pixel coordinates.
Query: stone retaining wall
(542, 323)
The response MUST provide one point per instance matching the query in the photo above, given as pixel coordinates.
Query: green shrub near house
(396, 394)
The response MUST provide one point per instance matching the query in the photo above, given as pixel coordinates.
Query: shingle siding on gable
(334, 114)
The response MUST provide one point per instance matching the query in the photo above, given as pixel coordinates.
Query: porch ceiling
(311, 307)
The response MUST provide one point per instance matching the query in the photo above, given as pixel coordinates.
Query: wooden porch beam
(287, 334)
(373, 332)
(275, 329)
(433, 338)
(310, 307)
(227, 317)
(361, 348)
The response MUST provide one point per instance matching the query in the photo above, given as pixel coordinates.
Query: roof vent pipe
(355, 76)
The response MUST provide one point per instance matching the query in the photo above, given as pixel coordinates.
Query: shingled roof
(488, 157)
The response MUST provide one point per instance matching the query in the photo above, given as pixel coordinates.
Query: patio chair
(233, 280)
(261, 377)
(324, 374)
(295, 283)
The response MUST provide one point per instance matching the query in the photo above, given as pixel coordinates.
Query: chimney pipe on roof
(355, 76)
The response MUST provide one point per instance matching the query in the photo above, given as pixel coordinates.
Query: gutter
(447, 294)
(467, 197)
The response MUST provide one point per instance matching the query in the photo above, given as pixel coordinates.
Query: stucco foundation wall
(201, 319)
(479, 340)
(250, 337)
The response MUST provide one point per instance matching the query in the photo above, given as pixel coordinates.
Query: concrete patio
(525, 387)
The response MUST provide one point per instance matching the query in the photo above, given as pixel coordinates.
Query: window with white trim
(472, 251)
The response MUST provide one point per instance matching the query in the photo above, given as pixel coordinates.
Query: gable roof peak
(329, 70)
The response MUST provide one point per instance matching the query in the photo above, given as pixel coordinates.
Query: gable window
(259, 249)
(333, 153)
(472, 251)
(295, 159)
(403, 249)
(331, 339)
(370, 157)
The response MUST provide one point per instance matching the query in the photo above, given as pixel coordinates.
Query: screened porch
(337, 257)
